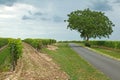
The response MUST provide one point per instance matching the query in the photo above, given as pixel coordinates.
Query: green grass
(4, 60)
(76, 67)
(81, 44)
(110, 52)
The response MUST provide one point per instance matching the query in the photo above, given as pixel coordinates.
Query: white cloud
(15, 11)
(101, 5)
(7, 16)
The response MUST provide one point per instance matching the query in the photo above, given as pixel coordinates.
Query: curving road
(108, 66)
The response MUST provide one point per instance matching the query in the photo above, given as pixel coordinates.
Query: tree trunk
(87, 42)
(13, 58)
(87, 38)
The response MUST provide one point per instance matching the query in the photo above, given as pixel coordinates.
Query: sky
(45, 18)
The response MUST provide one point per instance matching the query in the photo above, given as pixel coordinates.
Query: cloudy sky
(45, 18)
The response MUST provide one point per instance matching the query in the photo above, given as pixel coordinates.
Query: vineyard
(39, 43)
(12, 51)
(110, 44)
(10, 54)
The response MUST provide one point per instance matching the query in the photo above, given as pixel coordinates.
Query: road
(108, 66)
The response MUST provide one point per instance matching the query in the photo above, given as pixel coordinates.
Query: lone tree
(90, 24)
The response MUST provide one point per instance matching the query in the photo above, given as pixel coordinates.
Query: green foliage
(36, 43)
(110, 44)
(3, 41)
(5, 61)
(87, 44)
(11, 54)
(48, 41)
(90, 24)
(39, 43)
(15, 46)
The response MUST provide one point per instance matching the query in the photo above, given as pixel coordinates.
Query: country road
(108, 66)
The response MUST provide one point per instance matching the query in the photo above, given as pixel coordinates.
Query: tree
(90, 24)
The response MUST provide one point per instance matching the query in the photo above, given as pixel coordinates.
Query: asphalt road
(108, 66)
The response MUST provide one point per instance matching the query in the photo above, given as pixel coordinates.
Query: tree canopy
(90, 24)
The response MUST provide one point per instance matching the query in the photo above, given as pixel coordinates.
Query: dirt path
(3, 47)
(36, 66)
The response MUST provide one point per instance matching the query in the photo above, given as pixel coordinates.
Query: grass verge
(5, 59)
(112, 53)
(76, 67)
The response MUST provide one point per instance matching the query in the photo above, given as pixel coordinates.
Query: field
(24, 56)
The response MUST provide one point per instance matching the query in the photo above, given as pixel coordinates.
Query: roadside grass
(104, 51)
(110, 52)
(76, 67)
(5, 60)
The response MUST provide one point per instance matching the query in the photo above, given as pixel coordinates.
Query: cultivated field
(44, 59)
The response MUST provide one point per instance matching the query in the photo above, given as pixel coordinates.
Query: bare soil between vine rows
(34, 65)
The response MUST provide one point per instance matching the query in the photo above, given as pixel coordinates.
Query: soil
(52, 47)
(34, 65)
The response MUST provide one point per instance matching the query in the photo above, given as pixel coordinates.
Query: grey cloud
(7, 2)
(38, 14)
(30, 12)
(25, 17)
(42, 16)
(35, 13)
(58, 19)
(35, 16)
(101, 5)
(45, 19)
(117, 1)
